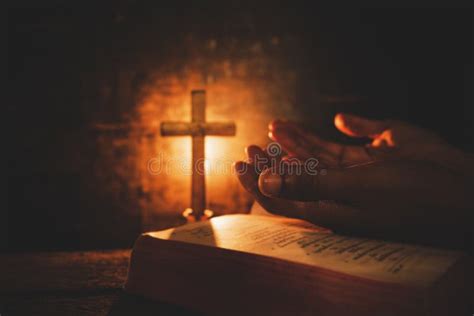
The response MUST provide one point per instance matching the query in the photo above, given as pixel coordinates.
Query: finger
(257, 157)
(249, 180)
(290, 159)
(357, 126)
(324, 146)
(326, 213)
(274, 153)
(291, 142)
(383, 217)
(247, 176)
(377, 183)
(293, 130)
(304, 144)
(291, 183)
(329, 153)
(254, 152)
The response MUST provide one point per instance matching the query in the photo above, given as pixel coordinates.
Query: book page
(302, 242)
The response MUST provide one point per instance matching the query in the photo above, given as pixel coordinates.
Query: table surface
(72, 283)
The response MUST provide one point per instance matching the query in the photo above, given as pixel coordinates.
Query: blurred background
(88, 87)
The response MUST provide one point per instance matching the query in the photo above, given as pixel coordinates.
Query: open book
(259, 265)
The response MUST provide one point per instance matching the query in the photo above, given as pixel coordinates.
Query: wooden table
(72, 283)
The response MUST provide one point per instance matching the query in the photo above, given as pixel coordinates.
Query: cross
(198, 128)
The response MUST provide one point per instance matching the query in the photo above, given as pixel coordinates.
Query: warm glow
(229, 99)
(219, 156)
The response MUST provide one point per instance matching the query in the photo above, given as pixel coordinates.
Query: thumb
(380, 182)
(354, 185)
(357, 126)
(290, 183)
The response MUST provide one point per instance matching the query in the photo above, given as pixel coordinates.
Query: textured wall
(89, 86)
(246, 81)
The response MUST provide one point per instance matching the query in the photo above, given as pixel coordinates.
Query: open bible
(259, 265)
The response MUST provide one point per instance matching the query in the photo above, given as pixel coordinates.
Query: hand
(390, 140)
(390, 191)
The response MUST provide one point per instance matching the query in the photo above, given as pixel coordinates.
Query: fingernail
(270, 183)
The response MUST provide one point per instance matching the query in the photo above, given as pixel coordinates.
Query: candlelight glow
(230, 98)
(219, 157)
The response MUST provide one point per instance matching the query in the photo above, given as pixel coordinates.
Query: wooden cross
(198, 128)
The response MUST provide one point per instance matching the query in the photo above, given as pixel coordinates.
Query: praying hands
(406, 184)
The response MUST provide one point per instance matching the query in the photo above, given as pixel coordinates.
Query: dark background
(413, 64)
